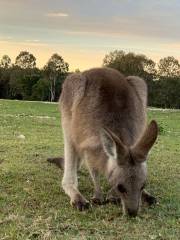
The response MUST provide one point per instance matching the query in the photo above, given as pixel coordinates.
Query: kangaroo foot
(80, 203)
(58, 161)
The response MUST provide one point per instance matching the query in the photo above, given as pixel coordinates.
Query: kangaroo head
(127, 166)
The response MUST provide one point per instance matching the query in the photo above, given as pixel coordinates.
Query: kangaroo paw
(148, 198)
(112, 197)
(113, 200)
(80, 203)
(97, 201)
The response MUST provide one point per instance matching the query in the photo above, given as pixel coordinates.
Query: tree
(77, 70)
(22, 82)
(4, 82)
(169, 67)
(15, 83)
(130, 63)
(166, 93)
(56, 69)
(40, 90)
(25, 60)
(5, 61)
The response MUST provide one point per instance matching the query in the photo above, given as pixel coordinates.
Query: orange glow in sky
(82, 31)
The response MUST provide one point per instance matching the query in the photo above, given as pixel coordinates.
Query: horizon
(83, 33)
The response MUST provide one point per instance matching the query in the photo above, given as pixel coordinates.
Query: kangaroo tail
(58, 161)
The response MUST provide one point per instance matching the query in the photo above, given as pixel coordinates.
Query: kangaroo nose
(132, 213)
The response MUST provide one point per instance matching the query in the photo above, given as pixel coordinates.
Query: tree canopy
(5, 61)
(129, 63)
(54, 70)
(23, 80)
(169, 67)
(25, 60)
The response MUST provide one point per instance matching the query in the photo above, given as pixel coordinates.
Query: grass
(34, 206)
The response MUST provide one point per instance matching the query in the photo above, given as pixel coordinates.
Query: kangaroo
(104, 125)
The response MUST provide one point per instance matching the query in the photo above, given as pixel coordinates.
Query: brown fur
(103, 96)
(98, 99)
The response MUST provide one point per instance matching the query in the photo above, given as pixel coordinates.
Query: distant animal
(104, 125)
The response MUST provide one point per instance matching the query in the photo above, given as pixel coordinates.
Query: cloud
(25, 43)
(32, 40)
(5, 38)
(57, 14)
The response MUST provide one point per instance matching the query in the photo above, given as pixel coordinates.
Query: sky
(83, 31)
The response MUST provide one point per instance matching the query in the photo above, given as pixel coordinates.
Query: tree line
(23, 80)
(163, 78)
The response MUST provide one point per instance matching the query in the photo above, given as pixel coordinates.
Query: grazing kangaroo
(104, 125)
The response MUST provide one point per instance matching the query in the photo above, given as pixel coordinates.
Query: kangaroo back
(103, 98)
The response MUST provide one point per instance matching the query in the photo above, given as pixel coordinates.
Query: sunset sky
(84, 31)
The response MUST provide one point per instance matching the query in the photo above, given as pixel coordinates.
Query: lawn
(33, 204)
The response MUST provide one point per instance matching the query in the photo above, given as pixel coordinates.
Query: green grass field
(34, 206)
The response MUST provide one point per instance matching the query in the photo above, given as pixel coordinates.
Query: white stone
(21, 136)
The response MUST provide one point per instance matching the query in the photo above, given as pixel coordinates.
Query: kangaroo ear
(112, 145)
(142, 147)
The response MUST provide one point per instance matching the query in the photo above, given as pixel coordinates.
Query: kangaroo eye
(121, 188)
